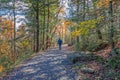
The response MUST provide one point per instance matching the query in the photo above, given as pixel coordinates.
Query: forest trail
(50, 65)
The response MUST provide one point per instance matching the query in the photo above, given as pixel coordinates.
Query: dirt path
(50, 65)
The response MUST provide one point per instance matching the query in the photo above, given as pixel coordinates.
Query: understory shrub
(79, 46)
(92, 45)
(5, 62)
(112, 62)
(111, 74)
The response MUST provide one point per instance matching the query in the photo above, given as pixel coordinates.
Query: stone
(87, 70)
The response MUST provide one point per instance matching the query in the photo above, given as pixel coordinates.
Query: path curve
(50, 65)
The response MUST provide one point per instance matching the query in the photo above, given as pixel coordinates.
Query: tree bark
(44, 27)
(14, 42)
(37, 33)
(47, 37)
(77, 38)
(111, 26)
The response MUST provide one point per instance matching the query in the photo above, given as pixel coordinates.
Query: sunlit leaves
(1, 68)
(106, 3)
(66, 22)
(7, 29)
(6, 34)
(103, 3)
(21, 30)
(62, 11)
(24, 44)
(84, 28)
(5, 48)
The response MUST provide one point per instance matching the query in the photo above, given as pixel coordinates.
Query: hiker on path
(59, 43)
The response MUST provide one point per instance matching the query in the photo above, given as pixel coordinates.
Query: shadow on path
(51, 65)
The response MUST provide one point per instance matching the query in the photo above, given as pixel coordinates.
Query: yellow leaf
(1, 68)
(61, 11)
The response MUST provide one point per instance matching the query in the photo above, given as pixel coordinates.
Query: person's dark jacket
(59, 41)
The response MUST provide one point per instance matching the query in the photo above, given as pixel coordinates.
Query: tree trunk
(14, 43)
(34, 42)
(77, 38)
(99, 34)
(37, 33)
(47, 37)
(111, 26)
(44, 28)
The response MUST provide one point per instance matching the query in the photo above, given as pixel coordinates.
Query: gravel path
(50, 65)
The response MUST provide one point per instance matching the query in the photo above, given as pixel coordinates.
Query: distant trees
(97, 19)
(6, 34)
(91, 23)
(37, 20)
(43, 18)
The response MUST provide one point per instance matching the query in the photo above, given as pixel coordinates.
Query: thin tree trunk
(77, 38)
(14, 43)
(34, 42)
(37, 33)
(84, 10)
(111, 26)
(47, 37)
(83, 19)
(44, 27)
(99, 34)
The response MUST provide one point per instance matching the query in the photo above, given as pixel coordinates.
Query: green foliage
(23, 57)
(117, 51)
(24, 45)
(111, 74)
(4, 1)
(99, 59)
(79, 46)
(5, 61)
(92, 45)
(112, 62)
